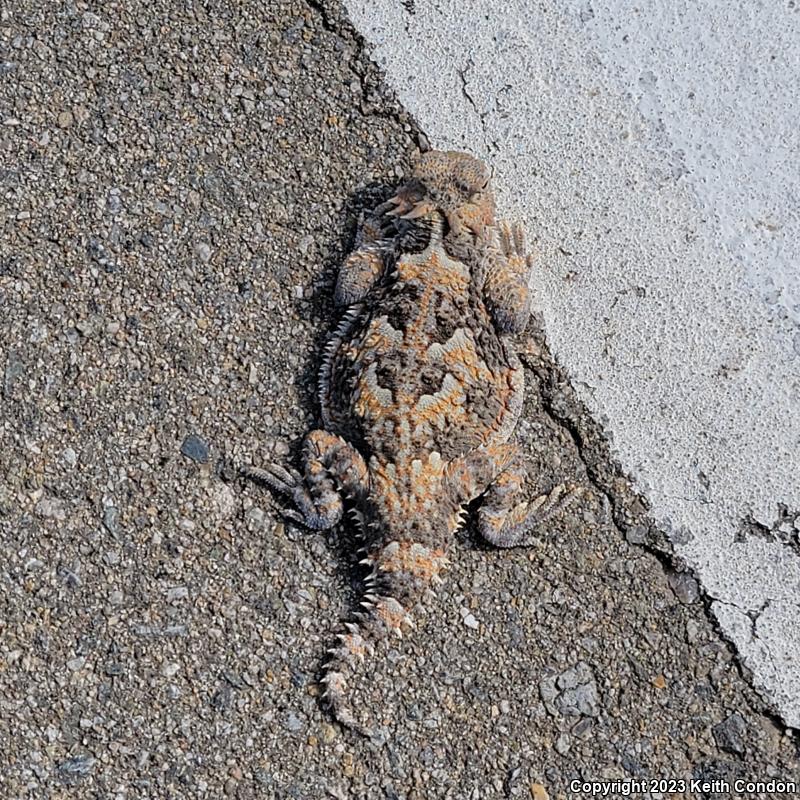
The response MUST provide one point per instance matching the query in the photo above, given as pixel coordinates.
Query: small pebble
(328, 733)
(684, 586)
(70, 456)
(170, 669)
(203, 252)
(111, 519)
(79, 765)
(177, 593)
(195, 448)
(293, 723)
(730, 733)
(538, 792)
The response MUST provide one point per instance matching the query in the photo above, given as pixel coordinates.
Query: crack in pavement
(784, 531)
(462, 73)
(630, 510)
(371, 104)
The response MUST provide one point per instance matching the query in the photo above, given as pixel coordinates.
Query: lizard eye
(463, 186)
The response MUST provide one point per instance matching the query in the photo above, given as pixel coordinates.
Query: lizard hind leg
(506, 520)
(332, 468)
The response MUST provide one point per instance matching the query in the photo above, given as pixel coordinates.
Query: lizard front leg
(506, 285)
(364, 266)
(332, 468)
(379, 233)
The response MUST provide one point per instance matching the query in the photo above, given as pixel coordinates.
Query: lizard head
(454, 185)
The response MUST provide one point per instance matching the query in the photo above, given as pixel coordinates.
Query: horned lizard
(420, 391)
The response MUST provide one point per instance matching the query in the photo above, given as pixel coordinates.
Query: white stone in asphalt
(653, 155)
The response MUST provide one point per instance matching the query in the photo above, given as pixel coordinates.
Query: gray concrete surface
(653, 152)
(177, 185)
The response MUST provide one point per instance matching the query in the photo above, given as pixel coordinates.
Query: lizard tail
(400, 574)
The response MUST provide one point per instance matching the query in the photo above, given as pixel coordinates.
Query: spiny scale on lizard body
(420, 391)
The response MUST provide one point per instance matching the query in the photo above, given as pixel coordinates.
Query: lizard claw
(290, 513)
(279, 478)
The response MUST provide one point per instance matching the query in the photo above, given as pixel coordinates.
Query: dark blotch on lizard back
(386, 376)
(403, 305)
(430, 379)
(409, 376)
(448, 317)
